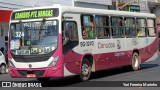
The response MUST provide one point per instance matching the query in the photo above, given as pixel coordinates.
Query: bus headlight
(54, 61)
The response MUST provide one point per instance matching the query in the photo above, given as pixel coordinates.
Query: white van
(2, 63)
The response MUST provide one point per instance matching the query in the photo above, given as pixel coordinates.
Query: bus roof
(106, 12)
(94, 11)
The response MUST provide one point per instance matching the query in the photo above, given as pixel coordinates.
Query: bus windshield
(33, 37)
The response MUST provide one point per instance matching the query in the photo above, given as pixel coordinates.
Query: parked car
(3, 65)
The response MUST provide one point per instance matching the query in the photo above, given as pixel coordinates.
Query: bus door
(70, 43)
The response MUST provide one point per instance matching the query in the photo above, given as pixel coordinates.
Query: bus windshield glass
(33, 37)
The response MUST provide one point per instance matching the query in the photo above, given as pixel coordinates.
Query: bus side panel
(151, 50)
(111, 53)
(72, 62)
(72, 57)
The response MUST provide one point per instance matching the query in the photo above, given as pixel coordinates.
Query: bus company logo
(106, 45)
(30, 65)
(118, 44)
(21, 84)
(6, 84)
(134, 42)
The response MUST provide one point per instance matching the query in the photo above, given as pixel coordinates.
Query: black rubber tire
(3, 69)
(135, 65)
(85, 70)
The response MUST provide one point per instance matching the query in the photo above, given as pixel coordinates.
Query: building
(17, 4)
(154, 7)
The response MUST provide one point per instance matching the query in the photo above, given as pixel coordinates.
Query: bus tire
(135, 65)
(3, 69)
(85, 70)
(42, 80)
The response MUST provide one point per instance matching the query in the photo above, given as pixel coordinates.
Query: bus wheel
(3, 69)
(43, 79)
(135, 62)
(85, 70)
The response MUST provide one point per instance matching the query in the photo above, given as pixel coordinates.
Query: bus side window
(102, 26)
(87, 22)
(151, 27)
(130, 30)
(70, 35)
(117, 26)
(70, 31)
(141, 27)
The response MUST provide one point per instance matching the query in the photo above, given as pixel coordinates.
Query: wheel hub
(85, 70)
(135, 61)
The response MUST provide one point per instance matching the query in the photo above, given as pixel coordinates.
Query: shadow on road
(147, 66)
(63, 82)
(74, 80)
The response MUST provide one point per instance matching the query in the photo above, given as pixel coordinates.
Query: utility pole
(146, 5)
(117, 7)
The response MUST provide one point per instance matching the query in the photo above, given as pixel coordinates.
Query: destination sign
(33, 14)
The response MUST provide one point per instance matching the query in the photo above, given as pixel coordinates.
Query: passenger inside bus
(129, 27)
(69, 33)
(106, 32)
(91, 30)
(121, 26)
(85, 32)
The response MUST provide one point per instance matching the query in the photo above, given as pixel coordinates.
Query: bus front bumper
(56, 71)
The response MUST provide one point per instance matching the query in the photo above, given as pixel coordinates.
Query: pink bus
(60, 41)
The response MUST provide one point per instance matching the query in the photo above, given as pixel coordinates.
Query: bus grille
(30, 59)
(24, 73)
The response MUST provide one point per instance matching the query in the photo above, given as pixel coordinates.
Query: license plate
(31, 75)
(22, 52)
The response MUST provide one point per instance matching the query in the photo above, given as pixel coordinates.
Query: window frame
(141, 27)
(154, 20)
(105, 27)
(83, 26)
(130, 27)
(63, 28)
(122, 36)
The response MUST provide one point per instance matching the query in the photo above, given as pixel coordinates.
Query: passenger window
(102, 26)
(87, 22)
(70, 35)
(151, 27)
(117, 26)
(130, 30)
(141, 27)
(71, 31)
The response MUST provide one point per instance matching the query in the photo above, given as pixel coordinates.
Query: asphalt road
(150, 71)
